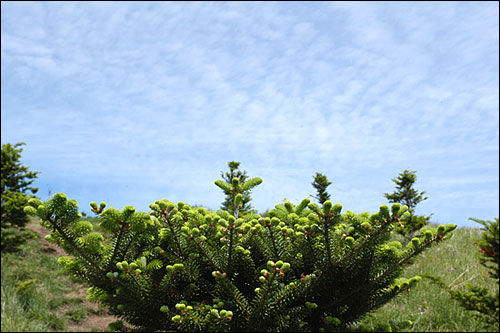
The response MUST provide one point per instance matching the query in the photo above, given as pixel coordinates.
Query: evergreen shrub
(179, 268)
(15, 188)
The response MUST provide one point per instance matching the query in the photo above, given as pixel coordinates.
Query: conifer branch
(115, 249)
(78, 249)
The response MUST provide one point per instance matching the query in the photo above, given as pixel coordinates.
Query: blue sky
(131, 102)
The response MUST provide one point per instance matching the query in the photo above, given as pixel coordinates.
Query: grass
(48, 303)
(429, 307)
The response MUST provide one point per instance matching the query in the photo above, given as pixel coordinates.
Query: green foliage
(16, 181)
(13, 237)
(181, 268)
(405, 194)
(320, 183)
(231, 190)
(476, 298)
(489, 246)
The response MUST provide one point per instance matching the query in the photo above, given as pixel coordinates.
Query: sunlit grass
(429, 307)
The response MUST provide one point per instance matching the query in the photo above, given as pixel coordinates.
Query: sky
(132, 102)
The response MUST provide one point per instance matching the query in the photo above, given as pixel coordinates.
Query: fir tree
(405, 194)
(320, 183)
(228, 177)
(181, 268)
(16, 181)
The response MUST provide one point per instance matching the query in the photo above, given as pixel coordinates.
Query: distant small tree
(228, 177)
(320, 183)
(16, 181)
(405, 194)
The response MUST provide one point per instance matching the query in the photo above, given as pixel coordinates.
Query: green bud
(229, 314)
(109, 275)
(41, 210)
(164, 308)
(405, 216)
(395, 208)
(102, 205)
(270, 265)
(275, 221)
(119, 265)
(185, 230)
(327, 206)
(34, 202)
(170, 268)
(311, 306)
(441, 229)
(120, 307)
(279, 263)
(428, 234)
(384, 211)
(415, 241)
(285, 267)
(176, 318)
(223, 313)
(238, 199)
(337, 208)
(451, 227)
(236, 182)
(180, 306)
(257, 290)
(30, 210)
(180, 205)
(214, 313)
(195, 232)
(262, 279)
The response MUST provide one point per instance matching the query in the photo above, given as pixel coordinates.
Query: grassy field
(429, 307)
(52, 301)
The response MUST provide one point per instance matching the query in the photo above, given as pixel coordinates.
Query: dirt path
(96, 317)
